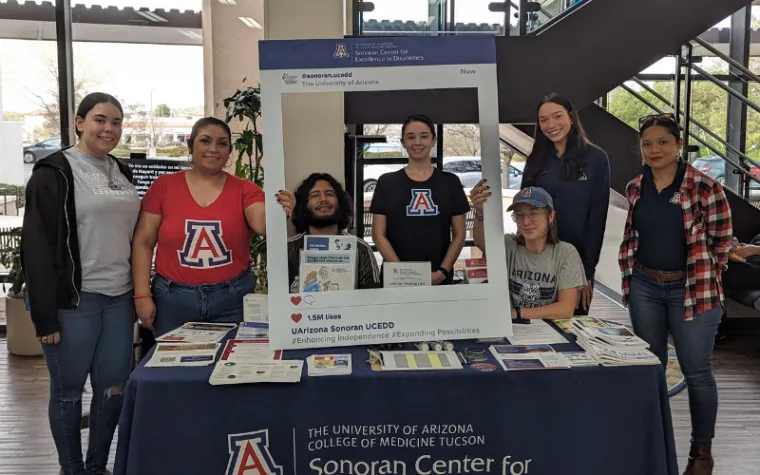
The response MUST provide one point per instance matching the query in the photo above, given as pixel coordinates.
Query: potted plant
(245, 105)
(21, 335)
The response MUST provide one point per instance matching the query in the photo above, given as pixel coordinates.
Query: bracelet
(141, 296)
(477, 216)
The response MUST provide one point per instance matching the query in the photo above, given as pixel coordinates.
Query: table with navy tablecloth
(581, 421)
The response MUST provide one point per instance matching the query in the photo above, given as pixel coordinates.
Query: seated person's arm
(570, 279)
(563, 308)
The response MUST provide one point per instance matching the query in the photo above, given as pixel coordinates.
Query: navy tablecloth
(583, 421)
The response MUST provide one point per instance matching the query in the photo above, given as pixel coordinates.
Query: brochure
(419, 360)
(198, 332)
(255, 308)
(513, 357)
(252, 331)
(535, 332)
(329, 365)
(248, 350)
(182, 354)
(245, 372)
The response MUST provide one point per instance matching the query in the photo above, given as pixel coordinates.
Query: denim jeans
(656, 309)
(177, 304)
(96, 339)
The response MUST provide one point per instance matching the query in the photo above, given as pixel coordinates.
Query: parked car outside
(469, 171)
(38, 151)
(714, 166)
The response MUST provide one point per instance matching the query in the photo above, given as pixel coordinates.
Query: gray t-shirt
(106, 217)
(536, 279)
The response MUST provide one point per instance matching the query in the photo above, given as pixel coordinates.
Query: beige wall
(312, 124)
(230, 50)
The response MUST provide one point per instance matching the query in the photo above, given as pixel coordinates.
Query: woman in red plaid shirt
(675, 247)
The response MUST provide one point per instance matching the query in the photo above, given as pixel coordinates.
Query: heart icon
(296, 299)
(296, 317)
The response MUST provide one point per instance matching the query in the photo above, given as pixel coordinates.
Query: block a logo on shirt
(422, 204)
(204, 247)
(249, 454)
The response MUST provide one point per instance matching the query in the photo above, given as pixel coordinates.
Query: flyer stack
(612, 345)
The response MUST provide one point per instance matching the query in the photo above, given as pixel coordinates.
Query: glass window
(472, 17)
(164, 96)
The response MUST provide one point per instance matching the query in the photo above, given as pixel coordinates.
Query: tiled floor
(27, 448)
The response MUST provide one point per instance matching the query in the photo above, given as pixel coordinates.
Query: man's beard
(321, 222)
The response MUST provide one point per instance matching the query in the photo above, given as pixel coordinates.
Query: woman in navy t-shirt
(419, 211)
(576, 173)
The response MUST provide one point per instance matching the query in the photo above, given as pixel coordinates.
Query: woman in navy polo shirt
(675, 247)
(576, 173)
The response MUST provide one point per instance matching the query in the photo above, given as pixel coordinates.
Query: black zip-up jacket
(49, 241)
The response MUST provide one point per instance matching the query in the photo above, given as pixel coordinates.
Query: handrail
(553, 20)
(731, 161)
(727, 59)
(729, 90)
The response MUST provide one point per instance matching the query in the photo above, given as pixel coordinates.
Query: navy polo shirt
(581, 204)
(658, 218)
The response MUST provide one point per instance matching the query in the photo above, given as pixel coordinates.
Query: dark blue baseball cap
(533, 196)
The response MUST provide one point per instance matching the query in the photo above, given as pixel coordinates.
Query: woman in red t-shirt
(202, 220)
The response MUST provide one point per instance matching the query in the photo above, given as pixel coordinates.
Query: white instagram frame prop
(377, 316)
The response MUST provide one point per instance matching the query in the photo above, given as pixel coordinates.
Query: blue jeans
(96, 339)
(656, 309)
(177, 304)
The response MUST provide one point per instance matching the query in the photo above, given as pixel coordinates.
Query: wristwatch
(444, 271)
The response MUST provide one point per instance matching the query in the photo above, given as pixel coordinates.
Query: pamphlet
(419, 360)
(327, 263)
(243, 372)
(406, 274)
(198, 332)
(580, 358)
(513, 357)
(329, 365)
(252, 331)
(566, 324)
(535, 332)
(255, 308)
(248, 350)
(182, 354)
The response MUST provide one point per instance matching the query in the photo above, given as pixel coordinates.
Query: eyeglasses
(657, 117)
(532, 215)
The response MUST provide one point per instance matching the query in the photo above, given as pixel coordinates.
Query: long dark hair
(93, 99)
(301, 212)
(574, 159)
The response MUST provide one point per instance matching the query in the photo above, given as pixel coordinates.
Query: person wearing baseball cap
(545, 274)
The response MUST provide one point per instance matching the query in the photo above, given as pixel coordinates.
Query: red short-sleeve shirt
(198, 245)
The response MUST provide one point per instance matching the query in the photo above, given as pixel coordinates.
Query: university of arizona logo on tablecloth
(422, 204)
(204, 246)
(249, 454)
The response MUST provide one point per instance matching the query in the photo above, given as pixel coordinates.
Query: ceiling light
(251, 23)
(228, 2)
